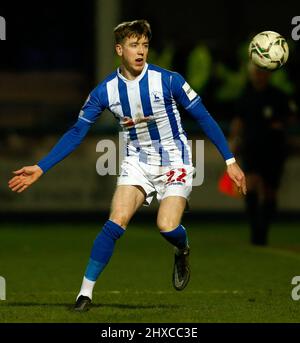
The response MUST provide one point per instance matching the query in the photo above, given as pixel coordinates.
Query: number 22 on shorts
(176, 175)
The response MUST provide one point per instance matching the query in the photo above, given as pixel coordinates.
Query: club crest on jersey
(157, 96)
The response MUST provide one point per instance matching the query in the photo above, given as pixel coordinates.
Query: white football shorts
(156, 180)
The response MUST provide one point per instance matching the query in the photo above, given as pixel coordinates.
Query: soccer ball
(268, 50)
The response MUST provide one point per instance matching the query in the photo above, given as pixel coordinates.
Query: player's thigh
(170, 212)
(126, 200)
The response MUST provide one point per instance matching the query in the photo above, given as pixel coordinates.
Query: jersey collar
(137, 79)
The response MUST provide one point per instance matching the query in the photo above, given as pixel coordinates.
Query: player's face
(133, 52)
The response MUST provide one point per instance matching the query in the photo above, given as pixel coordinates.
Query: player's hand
(25, 177)
(236, 174)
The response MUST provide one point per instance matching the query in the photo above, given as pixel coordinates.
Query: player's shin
(177, 237)
(181, 269)
(101, 253)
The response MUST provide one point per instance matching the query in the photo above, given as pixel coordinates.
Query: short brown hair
(136, 28)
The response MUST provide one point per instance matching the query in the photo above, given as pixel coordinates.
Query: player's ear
(119, 49)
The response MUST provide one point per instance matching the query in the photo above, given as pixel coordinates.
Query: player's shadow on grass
(97, 305)
(28, 304)
(137, 306)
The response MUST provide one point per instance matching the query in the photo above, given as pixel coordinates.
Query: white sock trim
(86, 288)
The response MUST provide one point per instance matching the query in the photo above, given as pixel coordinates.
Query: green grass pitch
(231, 280)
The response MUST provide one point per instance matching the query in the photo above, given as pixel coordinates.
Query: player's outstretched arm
(238, 177)
(189, 99)
(24, 178)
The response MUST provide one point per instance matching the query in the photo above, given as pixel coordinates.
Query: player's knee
(166, 224)
(120, 219)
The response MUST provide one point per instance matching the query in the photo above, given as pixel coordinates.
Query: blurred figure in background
(259, 137)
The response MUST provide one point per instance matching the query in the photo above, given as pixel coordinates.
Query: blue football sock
(102, 249)
(177, 237)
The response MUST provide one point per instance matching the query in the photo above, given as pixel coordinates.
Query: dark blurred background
(56, 52)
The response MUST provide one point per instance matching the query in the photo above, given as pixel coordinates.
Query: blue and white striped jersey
(146, 109)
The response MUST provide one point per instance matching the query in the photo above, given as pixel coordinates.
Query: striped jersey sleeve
(94, 105)
(183, 92)
(191, 101)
